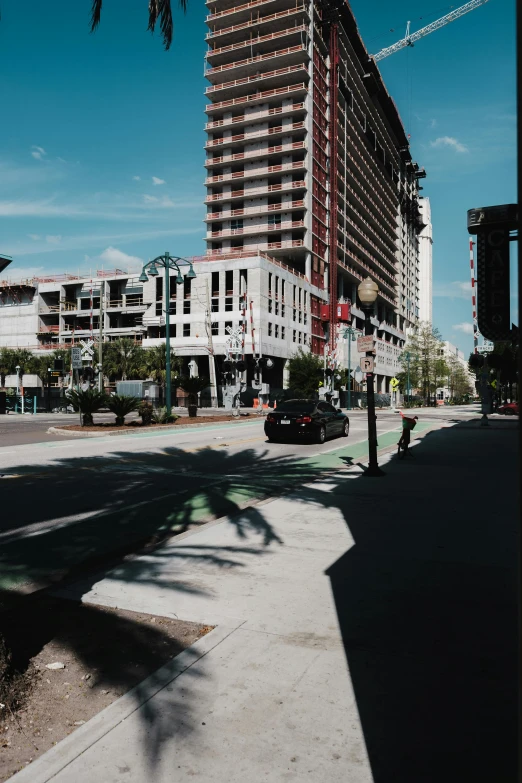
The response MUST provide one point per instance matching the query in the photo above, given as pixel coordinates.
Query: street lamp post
(150, 269)
(368, 291)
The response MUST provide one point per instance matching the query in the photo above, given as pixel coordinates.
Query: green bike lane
(128, 504)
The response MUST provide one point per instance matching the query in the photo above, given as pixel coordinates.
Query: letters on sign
(493, 311)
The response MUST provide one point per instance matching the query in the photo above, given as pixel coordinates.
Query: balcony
(126, 304)
(44, 309)
(255, 229)
(257, 97)
(262, 171)
(259, 210)
(259, 42)
(252, 154)
(292, 55)
(248, 119)
(278, 187)
(270, 23)
(243, 11)
(52, 329)
(357, 274)
(260, 134)
(277, 78)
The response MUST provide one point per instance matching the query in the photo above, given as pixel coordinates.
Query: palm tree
(122, 358)
(87, 403)
(121, 405)
(158, 9)
(7, 364)
(155, 364)
(23, 359)
(192, 386)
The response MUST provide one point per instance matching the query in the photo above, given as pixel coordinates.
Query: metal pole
(349, 368)
(408, 386)
(100, 345)
(373, 469)
(49, 390)
(168, 404)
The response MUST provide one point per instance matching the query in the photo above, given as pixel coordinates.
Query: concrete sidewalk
(365, 631)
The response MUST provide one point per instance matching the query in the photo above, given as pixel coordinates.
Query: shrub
(87, 403)
(160, 416)
(146, 412)
(121, 405)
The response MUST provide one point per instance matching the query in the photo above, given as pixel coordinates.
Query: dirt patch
(105, 652)
(183, 421)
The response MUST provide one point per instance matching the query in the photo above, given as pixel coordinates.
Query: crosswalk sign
(394, 384)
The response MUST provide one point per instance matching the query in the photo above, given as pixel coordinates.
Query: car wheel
(271, 439)
(321, 434)
(346, 429)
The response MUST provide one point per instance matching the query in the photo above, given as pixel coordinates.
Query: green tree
(155, 364)
(7, 364)
(159, 10)
(425, 347)
(192, 386)
(23, 359)
(123, 359)
(305, 373)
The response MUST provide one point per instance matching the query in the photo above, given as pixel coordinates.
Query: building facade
(426, 264)
(307, 160)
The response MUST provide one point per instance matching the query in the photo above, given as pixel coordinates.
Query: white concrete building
(426, 263)
(451, 351)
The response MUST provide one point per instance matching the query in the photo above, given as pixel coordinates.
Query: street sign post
(76, 357)
(365, 344)
(367, 364)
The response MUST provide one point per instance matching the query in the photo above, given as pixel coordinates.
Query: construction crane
(409, 40)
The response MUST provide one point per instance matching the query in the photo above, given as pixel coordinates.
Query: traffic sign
(87, 348)
(394, 384)
(485, 348)
(365, 344)
(76, 357)
(367, 364)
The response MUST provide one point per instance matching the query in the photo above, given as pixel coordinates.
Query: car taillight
(303, 420)
(270, 418)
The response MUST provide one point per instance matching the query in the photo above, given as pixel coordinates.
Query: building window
(186, 330)
(276, 332)
(187, 287)
(269, 305)
(215, 283)
(277, 308)
(294, 316)
(305, 318)
(274, 221)
(269, 329)
(186, 307)
(215, 328)
(299, 340)
(282, 333)
(282, 311)
(172, 307)
(229, 282)
(237, 225)
(229, 304)
(270, 284)
(294, 336)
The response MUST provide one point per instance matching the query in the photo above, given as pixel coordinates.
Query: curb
(67, 750)
(162, 428)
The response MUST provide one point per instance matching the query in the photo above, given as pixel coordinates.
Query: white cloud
(150, 199)
(433, 123)
(449, 141)
(456, 290)
(53, 239)
(160, 202)
(38, 152)
(136, 178)
(34, 236)
(465, 327)
(117, 257)
(23, 273)
(158, 181)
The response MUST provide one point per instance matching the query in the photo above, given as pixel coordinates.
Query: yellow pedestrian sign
(394, 384)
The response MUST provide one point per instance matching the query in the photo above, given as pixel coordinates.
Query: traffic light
(240, 366)
(87, 374)
(58, 365)
(328, 372)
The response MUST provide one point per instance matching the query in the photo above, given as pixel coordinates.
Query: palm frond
(162, 10)
(96, 14)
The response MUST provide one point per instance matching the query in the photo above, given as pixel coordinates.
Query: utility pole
(100, 344)
(211, 357)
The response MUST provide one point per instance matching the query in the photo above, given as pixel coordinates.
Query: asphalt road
(74, 504)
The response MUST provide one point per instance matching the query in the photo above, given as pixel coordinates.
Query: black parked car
(306, 419)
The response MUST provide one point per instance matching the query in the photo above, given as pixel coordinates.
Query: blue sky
(101, 140)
